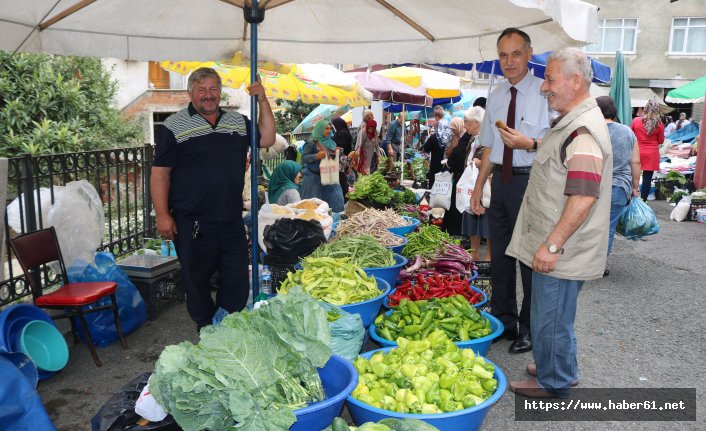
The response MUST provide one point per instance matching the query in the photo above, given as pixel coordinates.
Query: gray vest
(586, 250)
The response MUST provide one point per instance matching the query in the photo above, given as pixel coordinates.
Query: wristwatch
(553, 248)
(534, 146)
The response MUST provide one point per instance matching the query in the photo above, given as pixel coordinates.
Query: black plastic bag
(291, 239)
(118, 413)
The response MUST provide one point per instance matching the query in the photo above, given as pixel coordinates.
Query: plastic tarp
(20, 406)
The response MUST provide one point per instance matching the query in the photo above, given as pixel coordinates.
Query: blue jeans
(618, 204)
(553, 338)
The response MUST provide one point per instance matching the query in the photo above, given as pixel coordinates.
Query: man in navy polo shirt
(197, 185)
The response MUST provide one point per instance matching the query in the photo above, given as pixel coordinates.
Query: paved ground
(640, 327)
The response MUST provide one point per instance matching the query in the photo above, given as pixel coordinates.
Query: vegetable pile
(432, 251)
(403, 197)
(372, 187)
(336, 281)
(426, 242)
(363, 250)
(374, 223)
(416, 320)
(425, 377)
(253, 369)
(434, 286)
(387, 424)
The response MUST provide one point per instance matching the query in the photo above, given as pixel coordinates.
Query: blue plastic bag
(347, 333)
(131, 306)
(638, 220)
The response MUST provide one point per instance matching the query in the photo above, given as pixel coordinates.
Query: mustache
(546, 93)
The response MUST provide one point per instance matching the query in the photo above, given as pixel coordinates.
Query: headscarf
(339, 124)
(318, 135)
(650, 116)
(368, 125)
(282, 179)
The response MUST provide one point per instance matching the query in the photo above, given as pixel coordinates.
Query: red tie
(507, 152)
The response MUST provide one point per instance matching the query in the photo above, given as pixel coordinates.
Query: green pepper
(379, 368)
(446, 381)
(413, 308)
(454, 320)
(489, 385)
(411, 329)
(377, 394)
(463, 334)
(391, 389)
(386, 334)
(458, 389)
(407, 318)
(379, 319)
(433, 395)
(416, 320)
(445, 395)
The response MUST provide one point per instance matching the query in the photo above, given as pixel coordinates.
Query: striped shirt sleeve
(584, 160)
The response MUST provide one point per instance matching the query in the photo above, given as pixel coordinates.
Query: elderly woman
(316, 149)
(649, 130)
(367, 147)
(475, 226)
(284, 183)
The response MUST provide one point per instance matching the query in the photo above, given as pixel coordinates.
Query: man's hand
(543, 261)
(515, 140)
(321, 155)
(166, 226)
(256, 89)
(635, 192)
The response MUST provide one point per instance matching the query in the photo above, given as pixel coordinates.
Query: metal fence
(121, 178)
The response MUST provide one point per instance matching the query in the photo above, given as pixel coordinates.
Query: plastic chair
(37, 248)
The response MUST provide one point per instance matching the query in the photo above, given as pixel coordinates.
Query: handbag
(328, 169)
(464, 188)
(441, 191)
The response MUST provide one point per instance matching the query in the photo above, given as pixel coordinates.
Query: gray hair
(368, 112)
(202, 73)
(574, 60)
(475, 113)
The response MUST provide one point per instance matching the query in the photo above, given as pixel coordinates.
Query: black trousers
(219, 246)
(504, 207)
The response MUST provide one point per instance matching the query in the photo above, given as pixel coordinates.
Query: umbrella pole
(402, 144)
(254, 15)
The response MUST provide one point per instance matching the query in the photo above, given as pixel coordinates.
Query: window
(688, 36)
(615, 34)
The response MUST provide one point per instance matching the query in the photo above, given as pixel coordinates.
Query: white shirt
(531, 118)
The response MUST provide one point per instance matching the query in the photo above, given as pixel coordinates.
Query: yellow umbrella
(285, 81)
(437, 84)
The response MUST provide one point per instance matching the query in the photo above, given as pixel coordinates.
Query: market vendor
(316, 149)
(284, 183)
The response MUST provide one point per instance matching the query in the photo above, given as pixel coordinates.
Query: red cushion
(74, 294)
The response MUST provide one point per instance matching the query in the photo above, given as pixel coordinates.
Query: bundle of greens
(362, 250)
(404, 197)
(372, 187)
(676, 176)
(252, 370)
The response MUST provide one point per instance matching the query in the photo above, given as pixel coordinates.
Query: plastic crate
(279, 270)
(483, 282)
(696, 204)
(664, 189)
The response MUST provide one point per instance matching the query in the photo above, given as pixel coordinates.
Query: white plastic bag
(147, 407)
(485, 199)
(465, 186)
(274, 151)
(681, 211)
(441, 191)
(328, 169)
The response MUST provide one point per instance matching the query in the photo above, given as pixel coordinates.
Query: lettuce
(252, 370)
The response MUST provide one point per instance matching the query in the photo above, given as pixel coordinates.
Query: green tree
(53, 104)
(292, 114)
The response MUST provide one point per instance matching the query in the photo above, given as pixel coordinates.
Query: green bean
(363, 250)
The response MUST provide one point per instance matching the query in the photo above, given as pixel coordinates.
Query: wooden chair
(37, 248)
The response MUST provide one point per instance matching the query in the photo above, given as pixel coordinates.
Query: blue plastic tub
(339, 378)
(398, 248)
(386, 302)
(43, 342)
(404, 230)
(24, 363)
(388, 273)
(369, 309)
(479, 345)
(469, 419)
(12, 320)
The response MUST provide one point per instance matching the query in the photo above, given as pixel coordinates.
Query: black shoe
(508, 334)
(521, 344)
(606, 272)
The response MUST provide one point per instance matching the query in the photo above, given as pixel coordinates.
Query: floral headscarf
(650, 116)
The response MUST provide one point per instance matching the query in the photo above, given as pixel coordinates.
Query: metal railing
(121, 178)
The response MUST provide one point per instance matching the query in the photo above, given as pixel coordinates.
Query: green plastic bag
(347, 333)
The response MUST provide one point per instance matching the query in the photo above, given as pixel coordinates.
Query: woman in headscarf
(367, 146)
(342, 137)
(456, 165)
(316, 149)
(367, 115)
(284, 183)
(649, 130)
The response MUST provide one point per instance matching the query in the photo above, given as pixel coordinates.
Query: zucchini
(408, 425)
(339, 424)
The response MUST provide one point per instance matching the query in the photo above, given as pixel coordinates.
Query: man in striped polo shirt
(197, 185)
(562, 227)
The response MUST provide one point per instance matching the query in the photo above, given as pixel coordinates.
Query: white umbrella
(296, 31)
